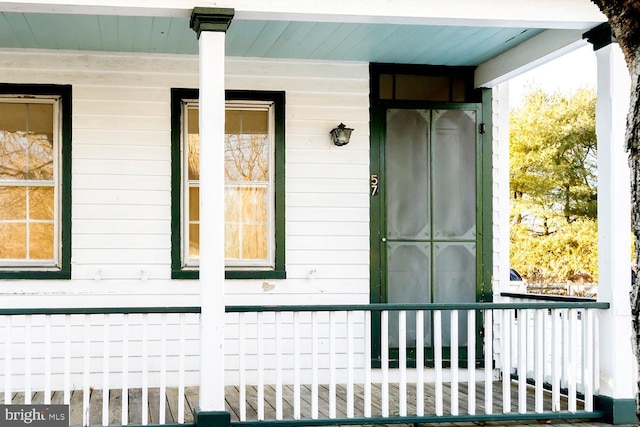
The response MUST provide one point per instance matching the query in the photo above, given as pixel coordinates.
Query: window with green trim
(35, 191)
(254, 184)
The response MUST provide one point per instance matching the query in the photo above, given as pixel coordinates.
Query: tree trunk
(632, 139)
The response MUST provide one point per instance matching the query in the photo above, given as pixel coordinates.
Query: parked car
(516, 282)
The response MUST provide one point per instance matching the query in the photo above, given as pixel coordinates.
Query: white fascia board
(544, 47)
(568, 14)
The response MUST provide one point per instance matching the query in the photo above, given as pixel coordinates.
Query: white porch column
(617, 362)
(500, 191)
(211, 24)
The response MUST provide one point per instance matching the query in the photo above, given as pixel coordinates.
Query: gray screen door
(430, 200)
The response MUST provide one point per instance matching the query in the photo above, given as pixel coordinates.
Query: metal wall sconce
(340, 135)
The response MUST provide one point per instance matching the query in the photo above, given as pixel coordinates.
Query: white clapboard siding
(326, 185)
(122, 159)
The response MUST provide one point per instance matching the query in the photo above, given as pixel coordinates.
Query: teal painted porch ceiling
(415, 44)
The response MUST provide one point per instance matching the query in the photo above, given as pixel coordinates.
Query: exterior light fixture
(340, 135)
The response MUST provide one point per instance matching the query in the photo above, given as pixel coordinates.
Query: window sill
(233, 274)
(35, 274)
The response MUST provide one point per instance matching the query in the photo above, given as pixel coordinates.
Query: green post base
(617, 411)
(211, 418)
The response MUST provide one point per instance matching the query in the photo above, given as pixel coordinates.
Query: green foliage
(553, 187)
(569, 254)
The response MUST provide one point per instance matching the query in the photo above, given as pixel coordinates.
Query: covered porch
(301, 345)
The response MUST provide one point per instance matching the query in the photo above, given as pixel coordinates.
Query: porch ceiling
(349, 41)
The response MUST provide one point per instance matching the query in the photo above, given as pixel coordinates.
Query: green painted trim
(617, 411)
(232, 274)
(177, 95)
(376, 160)
(211, 418)
(279, 104)
(65, 94)
(308, 308)
(215, 19)
(600, 36)
(544, 297)
(255, 274)
(425, 307)
(97, 310)
(485, 177)
(378, 285)
(561, 415)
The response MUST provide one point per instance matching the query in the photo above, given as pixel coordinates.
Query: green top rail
(309, 308)
(414, 307)
(98, 310)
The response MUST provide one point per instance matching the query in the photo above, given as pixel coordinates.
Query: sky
(565, 74)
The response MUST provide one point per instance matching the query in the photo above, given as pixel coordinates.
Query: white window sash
(267, 264)
(55, 262)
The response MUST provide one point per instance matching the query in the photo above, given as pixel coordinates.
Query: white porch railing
(553, 346)
(356, 364)
(292, 355)
(98, 359)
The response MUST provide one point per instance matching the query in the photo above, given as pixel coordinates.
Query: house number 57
(374, 184)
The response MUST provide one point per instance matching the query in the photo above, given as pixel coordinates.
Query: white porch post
(617, 362)
(210, 24)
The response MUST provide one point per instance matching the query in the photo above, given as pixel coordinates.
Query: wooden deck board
(232, 403)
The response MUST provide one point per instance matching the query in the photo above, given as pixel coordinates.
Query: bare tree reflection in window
(247, 175)
(27, 207)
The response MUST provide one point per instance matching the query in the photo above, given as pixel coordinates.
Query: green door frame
(484, 251)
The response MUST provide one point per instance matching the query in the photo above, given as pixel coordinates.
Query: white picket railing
(558, 347)
(377, 363)
(554, 344)
(82, 357)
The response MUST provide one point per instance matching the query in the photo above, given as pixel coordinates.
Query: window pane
(386, 86)
(13, 155)
(13, 203)
(254, 241)
(26, 141)
(41, 241)
(14, 242)
(247, 145)
(254, 205)
(459, 89)
(40, 158)
(41, 203)
(232, 204)
(193, 163)
(13, 116)
(425, 88)
(193, 120)
(194, 203)
(246, 122)
(232, 240)
(194, 241)
(246, 217)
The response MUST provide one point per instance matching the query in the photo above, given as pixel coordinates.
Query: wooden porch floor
(232, 404)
